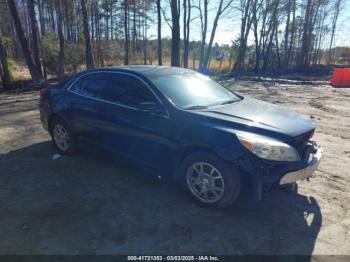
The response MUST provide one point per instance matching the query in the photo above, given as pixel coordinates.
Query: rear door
(87, 114)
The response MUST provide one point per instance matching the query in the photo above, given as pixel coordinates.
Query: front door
(133, 131)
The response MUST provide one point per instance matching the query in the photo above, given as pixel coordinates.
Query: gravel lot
(89, 205)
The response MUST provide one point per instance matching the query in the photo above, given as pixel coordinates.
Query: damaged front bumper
(294, 176)
(264, 174)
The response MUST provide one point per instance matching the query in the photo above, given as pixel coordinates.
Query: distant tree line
(58, 36)
(287, 32)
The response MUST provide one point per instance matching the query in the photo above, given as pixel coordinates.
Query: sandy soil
(87, 205)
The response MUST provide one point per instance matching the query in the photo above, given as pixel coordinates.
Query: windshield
(191, 91)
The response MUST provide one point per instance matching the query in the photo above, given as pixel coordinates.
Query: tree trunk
(159, 47)
(256, 38)
(5, 73)
(41, 17)
(43, 32)
(175, 32)
(98, 35)
(304, 54)
(88, 49)
(112, 21)
(279, 65)
(245, 28)
(219, 12)
(186, 30)
(187, 45)
(291, 44)
(134, 30)
(204, 36)
(193, 61)
(67, 19)
(334, 24)
(34, 71)
(106, 14)
(286, 34)
(92, 25)
(271, 32)
(52, 16)
(60, 39)
(126, 32)
(144, 38)
(35, 35)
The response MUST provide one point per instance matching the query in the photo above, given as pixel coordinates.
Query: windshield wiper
(195, 107)
(230, 101)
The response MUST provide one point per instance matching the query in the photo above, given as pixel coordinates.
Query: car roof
(148, 70)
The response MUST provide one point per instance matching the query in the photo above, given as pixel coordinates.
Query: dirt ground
(88, 205)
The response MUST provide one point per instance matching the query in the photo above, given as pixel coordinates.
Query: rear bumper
(294, 176)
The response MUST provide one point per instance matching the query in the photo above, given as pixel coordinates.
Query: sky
(229, 27)
(343, 34)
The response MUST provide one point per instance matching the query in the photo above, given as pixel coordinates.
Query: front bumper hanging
(292, 177)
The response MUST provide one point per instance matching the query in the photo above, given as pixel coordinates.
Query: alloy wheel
(61, 137)
(205, 182)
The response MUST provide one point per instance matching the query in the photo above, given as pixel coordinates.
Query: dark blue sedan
(183, 126)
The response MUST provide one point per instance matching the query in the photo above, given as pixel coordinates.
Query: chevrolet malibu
(183, 126)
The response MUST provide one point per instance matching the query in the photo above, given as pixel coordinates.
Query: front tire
(62, 137)
(210, 181)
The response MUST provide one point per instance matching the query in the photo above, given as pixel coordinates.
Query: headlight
(268, 148)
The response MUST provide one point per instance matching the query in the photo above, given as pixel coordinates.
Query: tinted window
(113, 87)
(93, 85)
(128, 90)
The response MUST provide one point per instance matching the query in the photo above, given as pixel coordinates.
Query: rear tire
(209, 180)
(62, 137)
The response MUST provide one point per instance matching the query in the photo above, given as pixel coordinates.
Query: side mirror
(151, 107)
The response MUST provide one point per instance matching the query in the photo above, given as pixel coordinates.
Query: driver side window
(129, 91)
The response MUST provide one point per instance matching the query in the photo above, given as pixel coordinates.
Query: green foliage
(7, 41)
(50, 53)
(11, 65)
(74, 54)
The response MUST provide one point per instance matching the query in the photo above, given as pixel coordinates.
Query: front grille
(300, 143)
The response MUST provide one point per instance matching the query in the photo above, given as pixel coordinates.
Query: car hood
(253, 112)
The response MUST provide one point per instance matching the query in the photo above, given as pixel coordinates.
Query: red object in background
(341, 77)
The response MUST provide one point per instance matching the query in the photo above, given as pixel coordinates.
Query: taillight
(42, 91)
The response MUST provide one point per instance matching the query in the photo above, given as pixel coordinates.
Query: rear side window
(92, 85)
